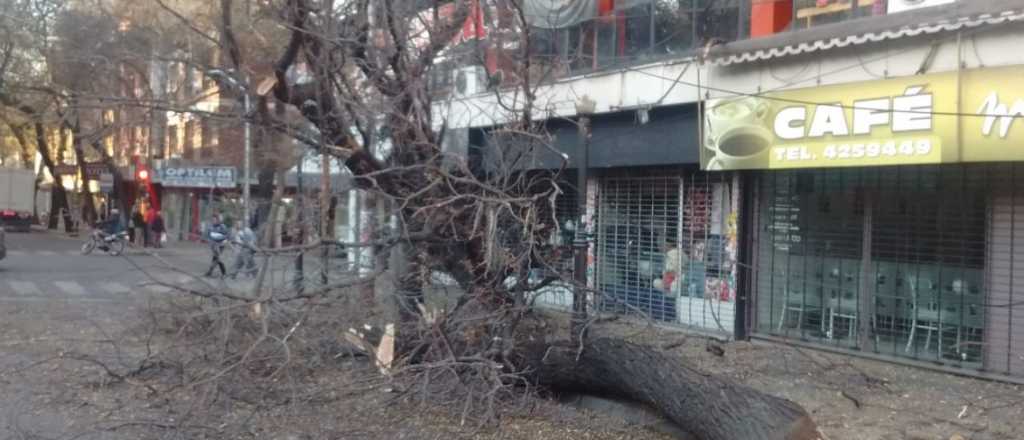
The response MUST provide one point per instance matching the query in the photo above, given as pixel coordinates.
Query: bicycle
(112, 244)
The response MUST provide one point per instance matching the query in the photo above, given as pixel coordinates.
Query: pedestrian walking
(157, 226)
(138, 230)
(245, 240)
(148, 219)
(217, 234)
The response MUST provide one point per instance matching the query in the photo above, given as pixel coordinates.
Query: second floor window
(628, 31)
(624, 32)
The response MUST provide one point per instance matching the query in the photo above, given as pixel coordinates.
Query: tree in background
(352, 79)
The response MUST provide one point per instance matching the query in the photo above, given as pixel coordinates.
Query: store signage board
(900, 121)
(65, 169)
(92, 171)
(106, 182)
(197, 177)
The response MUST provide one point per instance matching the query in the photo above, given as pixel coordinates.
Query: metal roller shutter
(1004, 274)
(918, 262)
(637, 214)
(666, 246)
(707, 252)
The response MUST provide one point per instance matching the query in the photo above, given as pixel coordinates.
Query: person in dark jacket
(217, 234)
(109, 228)
(157, 226)
(138, 227)
(148, 219)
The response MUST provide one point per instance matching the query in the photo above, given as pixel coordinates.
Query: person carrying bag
(217, 234)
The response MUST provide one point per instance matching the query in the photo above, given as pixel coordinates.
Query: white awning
(819, 44)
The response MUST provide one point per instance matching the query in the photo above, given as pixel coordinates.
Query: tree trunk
(58, 197)
(88, 205)
(708, 406)
(271, 234)
(368, 220)
(26, 149)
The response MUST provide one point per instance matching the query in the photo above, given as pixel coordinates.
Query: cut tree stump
(708, 406)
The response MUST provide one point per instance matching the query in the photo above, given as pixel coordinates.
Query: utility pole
(247, 160)
(584, 108)
(247, 163)
(301, 206)
(326, 228)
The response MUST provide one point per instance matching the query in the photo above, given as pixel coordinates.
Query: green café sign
(967, 116)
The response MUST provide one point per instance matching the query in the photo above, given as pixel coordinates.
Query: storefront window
(636, 31)
(666, 247)
(640, 30)
(887, 259)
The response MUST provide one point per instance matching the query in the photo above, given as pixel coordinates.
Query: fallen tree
(485, 229)
(710, 407)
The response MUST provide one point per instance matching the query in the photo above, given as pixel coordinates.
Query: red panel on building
(769, 17)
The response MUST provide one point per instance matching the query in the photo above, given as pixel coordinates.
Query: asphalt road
(55, 302)
(41, 266)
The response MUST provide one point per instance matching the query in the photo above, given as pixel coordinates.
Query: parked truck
(16, 193)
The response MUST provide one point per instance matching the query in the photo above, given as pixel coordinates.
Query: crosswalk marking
(114, 287)
(163, 285)
(42, 299)
(21, 253)
(158, 288)
(24, 287)
(70, 287)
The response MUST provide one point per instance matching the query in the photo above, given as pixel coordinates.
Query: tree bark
(58, 196)
(26, 149)
(88, 208)
(368, 230)
(272, 234)
(708, 406)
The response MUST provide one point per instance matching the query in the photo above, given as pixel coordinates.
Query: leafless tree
(350, 79)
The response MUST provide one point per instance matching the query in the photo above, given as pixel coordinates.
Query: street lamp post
(246, 164)
(247, 160)
(584, 108)
(300, 201)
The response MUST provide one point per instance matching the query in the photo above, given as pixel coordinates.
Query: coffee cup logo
(736, 136)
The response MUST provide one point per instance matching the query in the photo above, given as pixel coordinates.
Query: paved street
(45, 266)
(48, 266)
(54, 300)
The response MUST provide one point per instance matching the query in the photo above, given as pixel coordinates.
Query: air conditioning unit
(907, 5)
(470, 80)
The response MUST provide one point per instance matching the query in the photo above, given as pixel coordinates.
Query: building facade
(847, 177)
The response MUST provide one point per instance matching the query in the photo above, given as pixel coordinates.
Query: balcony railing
(655, 29)
(631, 32)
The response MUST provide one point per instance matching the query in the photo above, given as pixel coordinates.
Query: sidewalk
(176, 248)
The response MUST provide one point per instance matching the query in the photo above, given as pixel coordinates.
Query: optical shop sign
(912, 120)
(197, 177)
